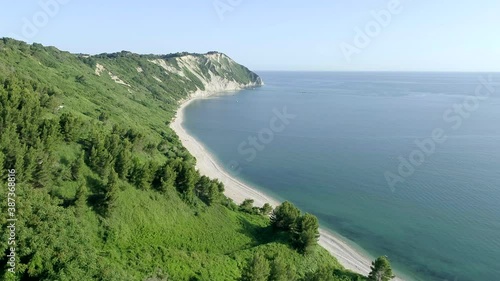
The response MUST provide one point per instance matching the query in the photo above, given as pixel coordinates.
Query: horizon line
(391, 71)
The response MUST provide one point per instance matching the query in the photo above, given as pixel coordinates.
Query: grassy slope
(147, 233)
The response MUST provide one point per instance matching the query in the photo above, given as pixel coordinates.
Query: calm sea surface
(329, 141)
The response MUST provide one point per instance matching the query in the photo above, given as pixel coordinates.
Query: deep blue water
(348, 130)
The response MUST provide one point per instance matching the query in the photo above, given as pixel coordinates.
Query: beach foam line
(238, 191)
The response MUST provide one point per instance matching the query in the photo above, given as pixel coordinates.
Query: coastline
(235, 189)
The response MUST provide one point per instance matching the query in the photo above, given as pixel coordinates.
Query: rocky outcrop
(216, 72)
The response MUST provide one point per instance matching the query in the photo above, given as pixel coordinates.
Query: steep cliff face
(209, 73)
(216, 72)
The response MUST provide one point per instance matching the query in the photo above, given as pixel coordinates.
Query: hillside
(105, 190)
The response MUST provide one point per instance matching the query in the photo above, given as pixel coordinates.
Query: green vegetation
(304, 230)
(284, 216)
(381, 270)
(258, 269)
(105, 190)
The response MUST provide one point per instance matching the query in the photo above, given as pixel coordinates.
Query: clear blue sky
(427, 35)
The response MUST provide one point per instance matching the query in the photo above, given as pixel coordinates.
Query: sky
(314, 35)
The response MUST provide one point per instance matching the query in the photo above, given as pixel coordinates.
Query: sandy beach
(239, 191)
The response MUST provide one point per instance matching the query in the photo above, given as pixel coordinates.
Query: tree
(146, 176)
(305, 232)
(142, 175)
(258, 269)
(94, 157)
(209, 191)
(214, 192)
(187, 177)
(134, 137)
(42, 174)
(381, 270)
(49, 132)
(111, 191)
(135, 171)
(30, 161)
(324, 273)
(81, 194)
(76, 167)
(99, 158)
(69, 127)
(123, 162)
(165, 178)
(19, 153)
(283, 217)
(202, 186)
(247, 206)
(113, 144)
(282, 271)
(266, 209)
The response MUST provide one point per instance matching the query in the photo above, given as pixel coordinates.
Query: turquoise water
(347, 130)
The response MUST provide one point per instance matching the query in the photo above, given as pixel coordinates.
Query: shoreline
(237, 190)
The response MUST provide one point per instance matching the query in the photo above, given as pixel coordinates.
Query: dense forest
(104, 189)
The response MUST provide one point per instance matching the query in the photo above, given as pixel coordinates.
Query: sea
(402, 164)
